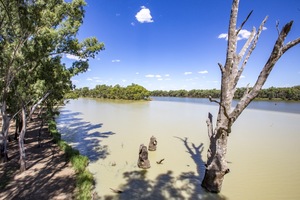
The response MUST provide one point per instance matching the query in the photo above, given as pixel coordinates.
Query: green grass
(84, 178)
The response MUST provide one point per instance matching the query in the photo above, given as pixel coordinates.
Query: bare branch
(253, 46)
(290, 45)
(247, 44)
(276, 53)
(213, 100)
(244, 22)
(221, 68)
(232, 38)
(277, 27)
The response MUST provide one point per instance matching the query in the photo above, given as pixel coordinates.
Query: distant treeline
(272, 93)
(137, 92)
(131, 92)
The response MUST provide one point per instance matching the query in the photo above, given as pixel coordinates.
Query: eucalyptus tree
(34, 35)
(216, 166)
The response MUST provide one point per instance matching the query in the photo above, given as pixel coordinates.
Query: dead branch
(244, 22)
(252, 47)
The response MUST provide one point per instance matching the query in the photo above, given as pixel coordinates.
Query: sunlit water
(263, 149)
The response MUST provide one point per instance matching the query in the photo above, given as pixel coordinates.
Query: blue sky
(176, 44)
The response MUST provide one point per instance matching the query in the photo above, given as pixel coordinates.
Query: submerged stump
(143, 161)
(152, 144)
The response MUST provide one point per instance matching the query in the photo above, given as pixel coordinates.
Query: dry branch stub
(143, 161)
(152, 144)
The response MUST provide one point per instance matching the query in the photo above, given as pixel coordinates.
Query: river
(262, 149)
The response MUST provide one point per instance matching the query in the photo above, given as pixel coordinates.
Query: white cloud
(153, 76)
(116, 60)
(223, 35)
(72, 57)
(187, 73)
(89, 79)
(203, 72)
(167, 75)
(243, 76)
(243, 34)
(132, 24)
(137, 73)
(264, 28)
(144, 16)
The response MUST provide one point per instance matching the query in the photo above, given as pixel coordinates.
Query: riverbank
(48, 174)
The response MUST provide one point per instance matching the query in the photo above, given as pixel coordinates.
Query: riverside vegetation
(34, 37)
(137, 92)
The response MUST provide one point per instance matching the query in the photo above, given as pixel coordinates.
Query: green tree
(34, 35)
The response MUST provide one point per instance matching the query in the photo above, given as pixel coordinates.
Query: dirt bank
(48, 175)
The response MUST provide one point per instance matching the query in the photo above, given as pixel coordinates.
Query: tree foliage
(272, 93)
(130, 92)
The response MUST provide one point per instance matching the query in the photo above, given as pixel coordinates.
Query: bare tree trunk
(21, 141)
(216, 166)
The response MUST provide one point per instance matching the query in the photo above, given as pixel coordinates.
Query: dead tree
(216, 166)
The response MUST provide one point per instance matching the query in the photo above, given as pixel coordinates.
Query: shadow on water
(187, 185)
(82, 135)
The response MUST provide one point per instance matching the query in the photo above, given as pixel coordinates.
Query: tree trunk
(4, 133)
(216, 166)
(21, 142)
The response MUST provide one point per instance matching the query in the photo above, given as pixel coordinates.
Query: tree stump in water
(143, 161)
(152, 144)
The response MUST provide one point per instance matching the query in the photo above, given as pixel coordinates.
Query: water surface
(262, 149)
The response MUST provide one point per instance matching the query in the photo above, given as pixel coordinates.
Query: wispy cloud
(144, 15)
(89, 79)
(116, 60)
(187, 73)
(153, 76)
(150, 76)
(203, 72)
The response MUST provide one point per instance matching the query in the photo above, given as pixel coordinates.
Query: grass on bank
(84, 178)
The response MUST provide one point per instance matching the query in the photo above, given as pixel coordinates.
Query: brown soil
(48, 175)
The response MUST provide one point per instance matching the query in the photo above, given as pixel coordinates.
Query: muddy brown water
(262, 154)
